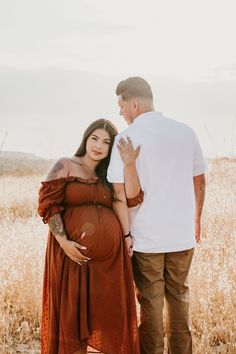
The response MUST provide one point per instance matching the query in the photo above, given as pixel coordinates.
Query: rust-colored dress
(95, 301)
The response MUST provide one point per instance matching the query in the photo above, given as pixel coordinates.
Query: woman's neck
(89, 163)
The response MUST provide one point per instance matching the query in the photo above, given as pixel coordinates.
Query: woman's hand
(129, 245)
(71, 249)
(127, 152)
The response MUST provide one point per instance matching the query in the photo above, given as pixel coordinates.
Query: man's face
(127, 109)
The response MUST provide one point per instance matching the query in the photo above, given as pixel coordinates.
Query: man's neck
(147, 110)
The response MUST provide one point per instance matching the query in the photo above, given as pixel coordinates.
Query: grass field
(212, 279)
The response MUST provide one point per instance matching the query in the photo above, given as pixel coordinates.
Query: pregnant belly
(100, 225)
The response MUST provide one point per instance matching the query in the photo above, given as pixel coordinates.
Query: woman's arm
(55, 223)
(128, 155)
(59, 170)
(121, 210)
(70, 248)
(129, 190)
(120, 206)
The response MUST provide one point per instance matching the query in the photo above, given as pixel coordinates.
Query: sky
(60, 62)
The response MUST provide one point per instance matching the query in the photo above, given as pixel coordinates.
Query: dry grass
(213, 275)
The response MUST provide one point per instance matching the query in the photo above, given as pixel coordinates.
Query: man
(166, 225)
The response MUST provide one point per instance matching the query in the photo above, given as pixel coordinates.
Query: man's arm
(199, 188)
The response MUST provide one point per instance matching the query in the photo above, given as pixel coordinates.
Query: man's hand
(197, 230)
(129, 244)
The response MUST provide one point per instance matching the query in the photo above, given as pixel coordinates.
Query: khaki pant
(158, 276)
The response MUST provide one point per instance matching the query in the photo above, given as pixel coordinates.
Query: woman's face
(97, 145)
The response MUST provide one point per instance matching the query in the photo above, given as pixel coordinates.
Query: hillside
(21, 164)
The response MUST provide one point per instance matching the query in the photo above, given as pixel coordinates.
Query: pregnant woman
(88, 293)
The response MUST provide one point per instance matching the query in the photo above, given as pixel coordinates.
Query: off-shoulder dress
(95, 301)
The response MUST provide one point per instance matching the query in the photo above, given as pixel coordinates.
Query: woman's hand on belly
(71, 249)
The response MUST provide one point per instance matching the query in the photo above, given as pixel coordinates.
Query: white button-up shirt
(170, 156)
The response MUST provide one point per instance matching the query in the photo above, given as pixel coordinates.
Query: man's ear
(135, 105)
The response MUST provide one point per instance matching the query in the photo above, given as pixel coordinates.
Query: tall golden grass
(212, 279)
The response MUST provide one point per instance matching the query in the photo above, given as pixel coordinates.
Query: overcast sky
(60, 62)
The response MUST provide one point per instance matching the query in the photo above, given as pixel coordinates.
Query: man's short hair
(134, 87)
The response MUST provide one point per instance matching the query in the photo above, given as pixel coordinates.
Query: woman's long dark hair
(101, 169)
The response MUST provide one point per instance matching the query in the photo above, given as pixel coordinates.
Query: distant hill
(22, 163)
(20, 155)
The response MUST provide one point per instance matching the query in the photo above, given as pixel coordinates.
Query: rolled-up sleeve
(132, 202)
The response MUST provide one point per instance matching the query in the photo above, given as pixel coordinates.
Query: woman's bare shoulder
(59, 170)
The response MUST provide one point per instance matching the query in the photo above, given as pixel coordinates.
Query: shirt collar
(157, 114)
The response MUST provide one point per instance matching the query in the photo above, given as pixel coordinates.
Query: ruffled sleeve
(131, 202)
(51, 195)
